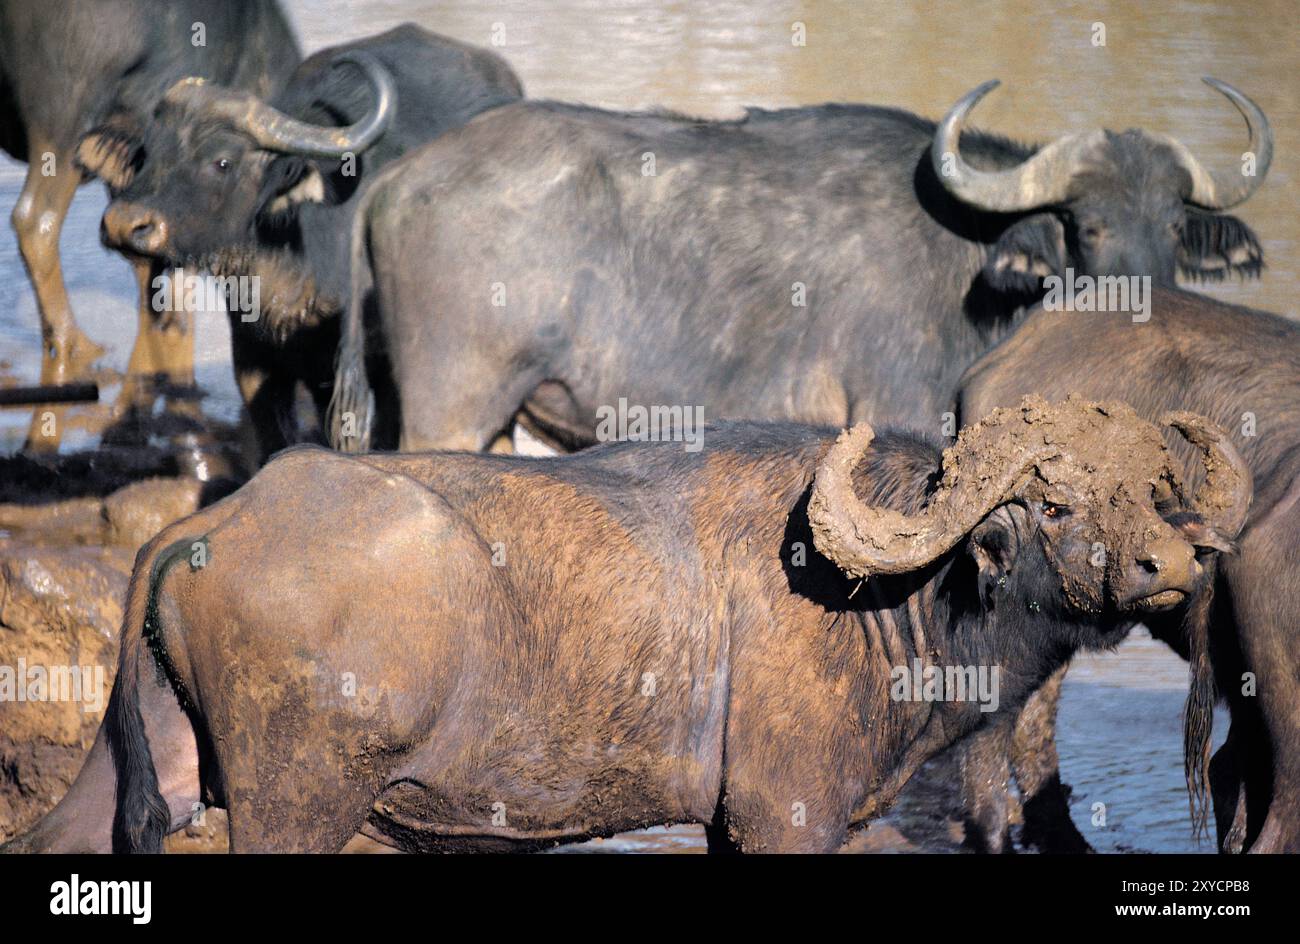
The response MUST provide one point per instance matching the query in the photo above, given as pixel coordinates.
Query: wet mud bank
(70, 526)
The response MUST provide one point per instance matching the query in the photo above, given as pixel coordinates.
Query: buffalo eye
(1053, 510)
(221, 165)
(1162, 496)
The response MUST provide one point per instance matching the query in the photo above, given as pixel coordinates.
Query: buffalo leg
(779, 829)
(272, 811)
(461, 413)
(272, 806)
(768, 807)
(38, 222)
(1228, 790)
(464, 398)
(1265, 600)
(1037, 766)
(164, 348)
(268, 397)
(983, 759)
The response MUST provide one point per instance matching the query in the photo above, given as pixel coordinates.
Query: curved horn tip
(854, 431)
(276, 131)
(1193, 424)
(843, 455)
(1244, 103)
(374, 69)
(972, 98)
(1224, 191)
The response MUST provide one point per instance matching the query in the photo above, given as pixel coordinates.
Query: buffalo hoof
(1048, 826)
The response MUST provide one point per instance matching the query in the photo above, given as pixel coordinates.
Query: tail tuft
(351, 409)
(141, 819)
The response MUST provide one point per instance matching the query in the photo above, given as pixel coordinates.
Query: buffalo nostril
(147, 234)
(131, 227)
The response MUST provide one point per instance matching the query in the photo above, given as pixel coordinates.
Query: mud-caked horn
(1223, 499)
(981, 471)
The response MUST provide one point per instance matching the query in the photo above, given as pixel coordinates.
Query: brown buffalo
(459, 651)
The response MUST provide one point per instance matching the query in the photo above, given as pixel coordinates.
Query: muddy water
(1120, 741)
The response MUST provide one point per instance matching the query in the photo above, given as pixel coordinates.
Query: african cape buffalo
(67, 67)
(1241, 368)
(827, 264)
(655, 635)
(245, 187)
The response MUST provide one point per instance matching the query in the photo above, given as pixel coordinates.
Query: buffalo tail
(141, 818)
(1198, 712)
(351, 410)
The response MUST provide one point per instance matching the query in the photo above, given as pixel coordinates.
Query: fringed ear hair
(112, 151)
(1215, 246)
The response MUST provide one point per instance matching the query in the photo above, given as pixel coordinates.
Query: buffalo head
(216, 164)
(1103, 203)
(1074, 506)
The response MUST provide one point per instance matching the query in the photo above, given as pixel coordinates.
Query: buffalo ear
(1202, 536)
(993, 545)
(1027, 252)
(289, 182)
(113, 151)
(1216, 245)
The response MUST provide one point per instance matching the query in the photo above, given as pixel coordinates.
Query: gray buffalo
(246, 186)
(828, 264)
(67, 68)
